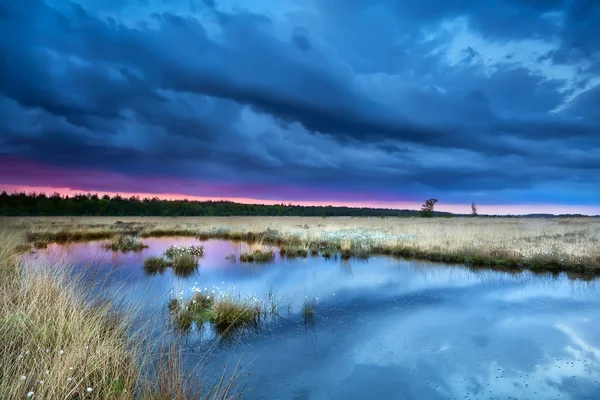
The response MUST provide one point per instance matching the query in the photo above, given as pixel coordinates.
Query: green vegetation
(329, 252)
(225, 313)
(427, 208)
(258, 256)
(308, 311)
(60, 341)
(183, 260)
(125, 243)
(293, 251)
(156, 265)
(228, 313)
(184, 264)
(542, 244)
(194, 251)
(40, 245)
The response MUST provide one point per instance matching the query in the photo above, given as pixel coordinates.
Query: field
(559, 244)
(61, 342)
(70, 345)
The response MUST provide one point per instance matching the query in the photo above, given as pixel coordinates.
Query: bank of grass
(60, 342)
(548, 244)
(57, 342)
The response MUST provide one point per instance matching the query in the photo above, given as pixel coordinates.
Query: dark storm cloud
(323, 97)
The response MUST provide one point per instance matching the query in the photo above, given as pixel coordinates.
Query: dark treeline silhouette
(39, 204)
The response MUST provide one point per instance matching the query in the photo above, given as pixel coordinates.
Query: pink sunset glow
(19, 175)
(494, 209)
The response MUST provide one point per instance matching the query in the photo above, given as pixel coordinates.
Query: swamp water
(382, 328)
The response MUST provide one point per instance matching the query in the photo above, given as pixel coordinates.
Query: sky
(381, 103)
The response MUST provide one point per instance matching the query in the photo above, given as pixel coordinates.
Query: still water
(383, 328)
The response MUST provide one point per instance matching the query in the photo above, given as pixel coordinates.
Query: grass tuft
(227, 314)
(293, 251)
(184, 264)
(308, 311)
(156, 265)
(51, 330)
(175, 251)
(125, 243)
(59, 341)
(183, 260)
(258, 256)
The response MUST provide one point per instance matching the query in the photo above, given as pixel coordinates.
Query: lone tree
(427, 208)
(473, 209)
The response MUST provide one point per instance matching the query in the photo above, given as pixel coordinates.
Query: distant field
(545, 243)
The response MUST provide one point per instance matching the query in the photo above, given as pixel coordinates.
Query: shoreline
(360, 237)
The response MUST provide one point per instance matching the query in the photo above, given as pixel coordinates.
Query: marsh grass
(183, 259)
(309, 310)
(22, 248)
(548, 244)
(329, 252)
(156, 265)
(175, 250)
(171, 381)
(293, 251)
(40, 245)
(184, 264)
(228, 314)
(125, 243)
(58, 340)
(258, 256)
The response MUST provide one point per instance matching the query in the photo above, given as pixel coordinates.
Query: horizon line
(460, 209)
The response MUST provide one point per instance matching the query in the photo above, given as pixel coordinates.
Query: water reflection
(385, 328)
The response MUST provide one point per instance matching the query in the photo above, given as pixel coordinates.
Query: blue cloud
(243, 95)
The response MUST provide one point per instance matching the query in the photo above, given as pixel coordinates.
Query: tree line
(39, 204)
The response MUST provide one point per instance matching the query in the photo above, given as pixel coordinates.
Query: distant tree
(427, 208)
(473, 209)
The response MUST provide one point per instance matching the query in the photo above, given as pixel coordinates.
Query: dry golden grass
(559, 243)
(56, 342)
(59, 342)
